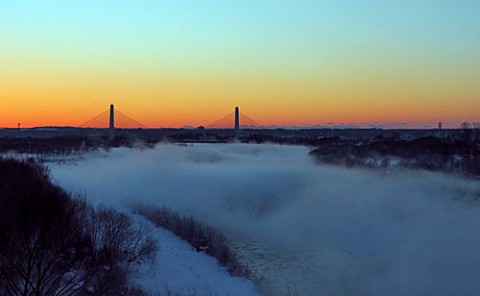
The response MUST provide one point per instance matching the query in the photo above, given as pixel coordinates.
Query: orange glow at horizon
(177, 103)
(178, 112)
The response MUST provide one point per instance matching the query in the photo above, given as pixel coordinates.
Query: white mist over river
(316, 229)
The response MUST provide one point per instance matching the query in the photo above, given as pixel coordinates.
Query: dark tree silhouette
(54, 245)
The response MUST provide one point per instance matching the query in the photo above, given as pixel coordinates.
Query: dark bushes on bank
(201, 237)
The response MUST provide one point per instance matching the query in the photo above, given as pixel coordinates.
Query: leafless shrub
(118, 248)
(201, 237)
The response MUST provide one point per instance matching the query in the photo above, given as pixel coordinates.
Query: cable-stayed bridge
(228, 121)
(120, 120)
(113, 119)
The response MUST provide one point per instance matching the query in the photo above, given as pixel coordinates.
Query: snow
(180, 270)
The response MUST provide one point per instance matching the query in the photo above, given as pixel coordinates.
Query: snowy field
(313, 229)
(179, 270)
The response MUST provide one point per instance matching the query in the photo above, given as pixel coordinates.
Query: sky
(283, 62)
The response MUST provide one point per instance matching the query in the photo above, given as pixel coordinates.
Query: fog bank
(319, 229)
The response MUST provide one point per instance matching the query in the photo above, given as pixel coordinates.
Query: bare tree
(53, 245)
(46, 253)
(119, 246)
(476, 128)
(467, 137)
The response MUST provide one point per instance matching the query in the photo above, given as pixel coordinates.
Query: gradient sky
(176, 63)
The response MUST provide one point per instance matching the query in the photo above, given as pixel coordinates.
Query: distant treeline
(63, 145)
(49, 146)
(450, 154)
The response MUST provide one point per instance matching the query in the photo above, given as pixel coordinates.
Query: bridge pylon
(237, 123)
(111, 130)
(111, 121)
(240, 121)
